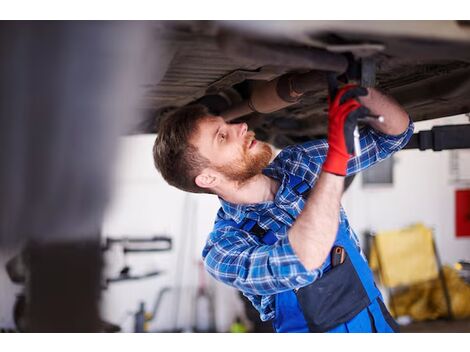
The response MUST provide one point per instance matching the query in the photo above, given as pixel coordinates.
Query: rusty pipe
(281, 92)
(240, 109)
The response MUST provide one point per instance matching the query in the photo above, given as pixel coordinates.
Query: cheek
(226, 154)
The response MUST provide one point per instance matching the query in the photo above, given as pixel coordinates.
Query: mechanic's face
(232, 150)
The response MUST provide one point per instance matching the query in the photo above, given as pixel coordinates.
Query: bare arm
(395, 118)
(313, 233)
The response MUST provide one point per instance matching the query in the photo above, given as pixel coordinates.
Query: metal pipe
(265, 97)
(240, 109)
(310, 81)
(281, 92)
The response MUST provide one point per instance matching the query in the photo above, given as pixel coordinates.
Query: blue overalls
(344, 299)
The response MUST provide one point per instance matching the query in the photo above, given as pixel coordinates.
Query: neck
(258, 189)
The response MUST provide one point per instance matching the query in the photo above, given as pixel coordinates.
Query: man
(281, 236)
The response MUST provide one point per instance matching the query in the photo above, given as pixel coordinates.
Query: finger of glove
(350, 124)
(353, 93)
(340, 93)
(343, 110)
(357, 114)
(345, 128)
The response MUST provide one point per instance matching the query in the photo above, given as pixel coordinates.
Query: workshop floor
(438, 326)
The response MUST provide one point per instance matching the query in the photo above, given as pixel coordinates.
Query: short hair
(178, 161)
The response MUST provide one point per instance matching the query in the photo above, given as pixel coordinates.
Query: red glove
(343, 114)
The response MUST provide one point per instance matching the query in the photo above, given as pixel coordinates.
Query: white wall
(143, 204)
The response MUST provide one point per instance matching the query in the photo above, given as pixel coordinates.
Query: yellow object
(406, 256)
(426, 300)
(238, 326)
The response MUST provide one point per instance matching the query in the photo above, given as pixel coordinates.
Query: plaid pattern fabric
(240, 259)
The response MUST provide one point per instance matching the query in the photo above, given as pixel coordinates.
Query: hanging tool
(156, 243)
(338, 255)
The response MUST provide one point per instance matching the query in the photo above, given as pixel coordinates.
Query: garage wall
(423, 191)
(144, 205)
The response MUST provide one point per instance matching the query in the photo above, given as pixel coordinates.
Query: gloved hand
(344, 111)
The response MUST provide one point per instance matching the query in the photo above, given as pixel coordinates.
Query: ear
(207, 179)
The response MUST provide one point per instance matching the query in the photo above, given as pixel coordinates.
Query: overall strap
(266, 236)
(299, 185)
(251, 226)
(362, 268)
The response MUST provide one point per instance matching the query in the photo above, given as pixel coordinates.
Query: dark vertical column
(66, 90)
(64, 287)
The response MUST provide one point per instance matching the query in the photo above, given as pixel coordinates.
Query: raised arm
(378, 140)
(396, 120)
(314, 231)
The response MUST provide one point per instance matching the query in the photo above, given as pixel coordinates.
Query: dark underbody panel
(219, 64)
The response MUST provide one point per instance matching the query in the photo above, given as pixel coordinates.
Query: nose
(242, 129)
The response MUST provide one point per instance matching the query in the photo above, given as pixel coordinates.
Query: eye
(222, 136)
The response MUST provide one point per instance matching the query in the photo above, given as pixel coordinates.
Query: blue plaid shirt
(241, 260)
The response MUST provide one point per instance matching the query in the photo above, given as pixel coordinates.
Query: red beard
(251, 162)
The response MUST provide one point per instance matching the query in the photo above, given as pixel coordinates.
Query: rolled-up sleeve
(232, 257)
(377, 146)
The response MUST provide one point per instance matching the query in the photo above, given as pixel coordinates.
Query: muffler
(286, 90)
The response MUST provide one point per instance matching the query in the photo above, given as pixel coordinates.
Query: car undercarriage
(424, 65)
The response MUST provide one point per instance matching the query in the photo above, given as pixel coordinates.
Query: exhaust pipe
(281, 92)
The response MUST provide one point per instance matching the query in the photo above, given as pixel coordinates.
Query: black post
(450, 315)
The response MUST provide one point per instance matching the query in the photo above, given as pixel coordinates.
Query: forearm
(395, 118)
(313, 233)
